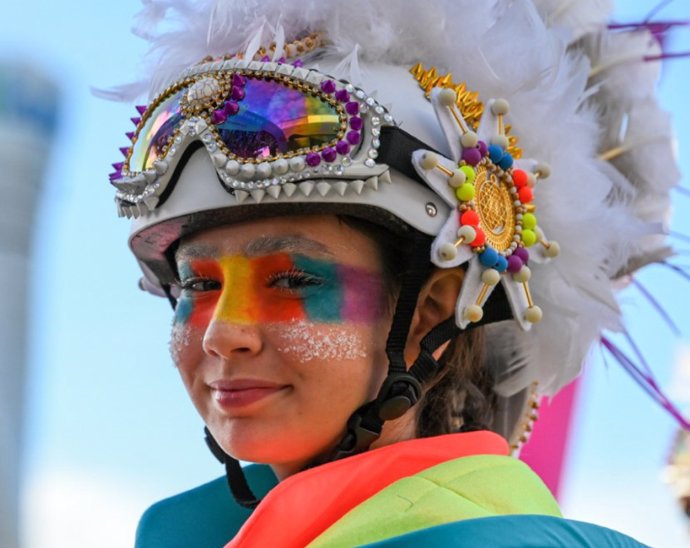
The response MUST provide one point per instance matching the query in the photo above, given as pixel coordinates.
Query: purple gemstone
(118, 166)
(124, 151)
(328, 86)
(483, 148)
(353, 137)
(342, 147)
(141, 109)
(514, 264)
(130, 135)
(342, 95)
(313, 159)
(238, 80)
(298, 63)
(231, 108)
(115, 175)
(352, 108)
(329, 154)
(472, 156)
(356, 123)
(282, 60)
(135, 121)
(218, 117)
(265, 59)
(522, 253)
(237, 93)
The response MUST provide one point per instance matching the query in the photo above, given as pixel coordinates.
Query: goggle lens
(275, 119)
(156, 133)
(272, 119)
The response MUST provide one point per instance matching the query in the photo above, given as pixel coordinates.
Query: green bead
(465, 192)
(529, 221)
(529, 238)
(469, 172)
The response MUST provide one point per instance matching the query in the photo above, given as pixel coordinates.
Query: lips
(243, 392)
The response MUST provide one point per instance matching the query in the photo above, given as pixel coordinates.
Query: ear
(435, 304)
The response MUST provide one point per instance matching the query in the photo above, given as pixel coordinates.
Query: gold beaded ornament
(493, 225)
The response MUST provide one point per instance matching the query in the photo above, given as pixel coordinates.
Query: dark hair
(461, 396)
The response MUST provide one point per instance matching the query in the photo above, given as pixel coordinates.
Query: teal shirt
(204, 517)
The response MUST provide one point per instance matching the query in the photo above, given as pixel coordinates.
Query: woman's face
(279, 334)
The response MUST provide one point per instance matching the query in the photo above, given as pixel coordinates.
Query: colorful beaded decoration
(493, 198)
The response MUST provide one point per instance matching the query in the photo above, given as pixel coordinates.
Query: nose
(227, 340)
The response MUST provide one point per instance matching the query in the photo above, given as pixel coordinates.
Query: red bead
(469, 218)
(519, 178)
(525, 194)
(480, 239)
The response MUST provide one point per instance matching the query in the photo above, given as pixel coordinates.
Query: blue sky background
(110, 429)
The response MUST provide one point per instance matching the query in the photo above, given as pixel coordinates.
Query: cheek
(305, 342)
(186, 350)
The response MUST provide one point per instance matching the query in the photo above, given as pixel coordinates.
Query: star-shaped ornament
(492, 225)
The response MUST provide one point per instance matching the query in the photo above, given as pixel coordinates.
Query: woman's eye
(200, 285)
(293, 280)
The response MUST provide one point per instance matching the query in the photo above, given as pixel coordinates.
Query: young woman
(365, 301)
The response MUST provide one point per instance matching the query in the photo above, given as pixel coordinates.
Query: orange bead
(525, 194)
(480, 239)
(469, 218)
(519, 178)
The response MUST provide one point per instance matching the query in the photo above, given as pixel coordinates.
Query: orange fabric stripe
(301, 507)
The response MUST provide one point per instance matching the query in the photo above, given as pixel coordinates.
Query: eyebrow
(286, 244)
(263, 245)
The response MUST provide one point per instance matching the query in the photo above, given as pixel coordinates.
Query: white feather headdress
(582, 99)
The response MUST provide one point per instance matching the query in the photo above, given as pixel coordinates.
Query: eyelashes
(291, 280)
(199, 285)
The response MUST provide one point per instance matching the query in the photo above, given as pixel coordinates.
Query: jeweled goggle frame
(211, 93)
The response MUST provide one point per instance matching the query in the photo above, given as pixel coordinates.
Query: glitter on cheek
(180, 340)
(309, 342)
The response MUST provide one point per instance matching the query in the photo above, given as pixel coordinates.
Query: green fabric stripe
(465, 488)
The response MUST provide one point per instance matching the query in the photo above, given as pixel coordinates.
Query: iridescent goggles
(263, 124)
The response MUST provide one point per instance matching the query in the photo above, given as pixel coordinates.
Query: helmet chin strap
(233, 472)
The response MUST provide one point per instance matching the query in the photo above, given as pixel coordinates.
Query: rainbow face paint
(277, 288)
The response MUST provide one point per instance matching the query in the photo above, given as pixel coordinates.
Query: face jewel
(277, 119)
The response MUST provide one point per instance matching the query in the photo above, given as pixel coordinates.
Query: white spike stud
(241, 196)
(357, 185)
(258, 195)
(289, 189)
(372, 182)
(306, 187)
(323, 188)
(341, 187)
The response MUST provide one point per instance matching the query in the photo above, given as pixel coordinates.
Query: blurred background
(94, 422)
